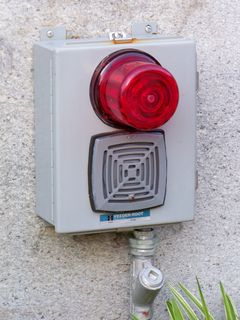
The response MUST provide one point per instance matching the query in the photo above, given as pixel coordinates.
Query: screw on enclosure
(148, 28)
(118, 35)
(131, 197)
(50, 33)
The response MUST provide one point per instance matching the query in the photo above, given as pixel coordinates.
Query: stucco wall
(44, 276)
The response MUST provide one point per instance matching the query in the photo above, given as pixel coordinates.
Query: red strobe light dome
(130, 88)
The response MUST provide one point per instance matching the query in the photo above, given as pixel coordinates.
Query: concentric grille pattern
(128, 171)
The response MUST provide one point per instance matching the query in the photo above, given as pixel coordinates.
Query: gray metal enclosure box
(65, 122)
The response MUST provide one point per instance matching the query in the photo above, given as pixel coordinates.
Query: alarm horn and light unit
(115, 130)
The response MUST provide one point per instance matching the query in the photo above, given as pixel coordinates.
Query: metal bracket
(57, 33)
(120, 37)
(144, 29)
(139, 30)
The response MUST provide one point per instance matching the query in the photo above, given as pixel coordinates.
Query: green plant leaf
(229, 307)
(133, 317)
(194, 299)
(186, 307)
(204, 305)
(232, 308)
(170, 310)
(174, 310)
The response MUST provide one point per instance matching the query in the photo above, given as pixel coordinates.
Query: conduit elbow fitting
(146, 280)
(145, 289)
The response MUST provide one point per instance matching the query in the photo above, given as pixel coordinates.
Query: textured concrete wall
(44, 276)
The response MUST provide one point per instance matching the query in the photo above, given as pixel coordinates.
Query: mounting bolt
(148, 28)
(118, 35)
(50, 33)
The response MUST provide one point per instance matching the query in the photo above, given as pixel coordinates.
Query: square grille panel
(127, 171)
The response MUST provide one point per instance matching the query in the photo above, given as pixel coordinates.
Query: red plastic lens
(131, 89)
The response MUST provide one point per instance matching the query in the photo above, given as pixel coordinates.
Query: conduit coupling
(146, 280)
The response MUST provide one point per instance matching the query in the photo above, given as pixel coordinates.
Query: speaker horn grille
(127, 171)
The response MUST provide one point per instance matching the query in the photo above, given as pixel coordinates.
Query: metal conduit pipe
(146, 280)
